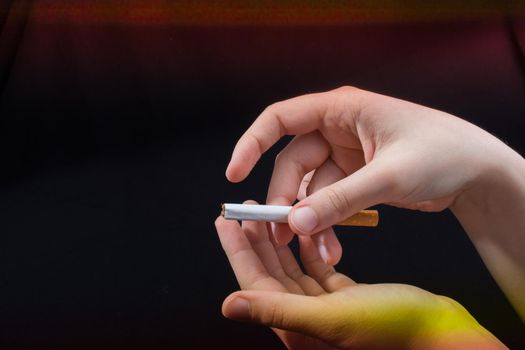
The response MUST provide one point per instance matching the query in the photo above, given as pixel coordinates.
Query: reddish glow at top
(270, 12)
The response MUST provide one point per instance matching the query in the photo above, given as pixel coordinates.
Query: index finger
(246, 264)
(296, 116)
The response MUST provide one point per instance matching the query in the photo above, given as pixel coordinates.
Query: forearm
(493, 215)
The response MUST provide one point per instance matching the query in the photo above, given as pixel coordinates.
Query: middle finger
(259, 239)
(303, 154)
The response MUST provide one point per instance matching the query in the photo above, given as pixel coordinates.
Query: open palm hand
(324, 309)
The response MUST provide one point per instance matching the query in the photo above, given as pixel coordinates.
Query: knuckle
(296, 273)
(272, 108)
(255, 141)
(325, 275)
(424, 206)
(348, 101)
(349, 93)
(273, 316)
(337, 200)
(346, 89)
(394, 180)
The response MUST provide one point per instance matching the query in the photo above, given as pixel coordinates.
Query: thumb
(293, 312)
(372, 184)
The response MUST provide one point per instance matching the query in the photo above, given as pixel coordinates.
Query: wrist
(454, 328)
(492, 215)
(500, 183)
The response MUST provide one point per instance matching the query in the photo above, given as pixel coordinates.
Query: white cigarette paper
(279, 213)
(253, 212)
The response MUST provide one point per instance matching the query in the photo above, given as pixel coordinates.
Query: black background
(107, 130)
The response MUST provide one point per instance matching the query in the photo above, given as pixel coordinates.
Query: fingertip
(334, 247)
(328, 246)
(221, 224)
(272, 228)
(224, 306)
(334, 256)
(236, 307)
(286, 236)
(282, 234)
(241, 164)
(232, 174)
(303, 220)
(218, 220)
(225, 303)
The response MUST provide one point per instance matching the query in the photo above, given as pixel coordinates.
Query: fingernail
(238, 309)
(305, 219)
(275, 232)
(323, 252)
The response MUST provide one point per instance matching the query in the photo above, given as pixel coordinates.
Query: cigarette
(279, 213)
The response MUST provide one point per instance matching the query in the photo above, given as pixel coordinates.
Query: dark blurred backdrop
(117, 120)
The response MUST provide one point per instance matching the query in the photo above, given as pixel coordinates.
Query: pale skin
(323, 309)
(354, 149)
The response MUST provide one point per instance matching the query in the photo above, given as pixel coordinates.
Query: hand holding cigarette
(354, 149)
